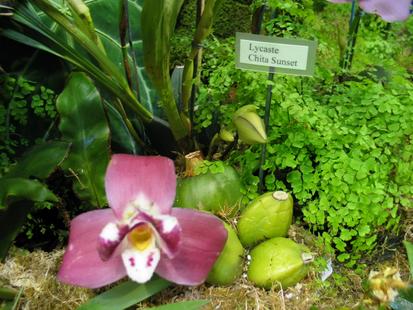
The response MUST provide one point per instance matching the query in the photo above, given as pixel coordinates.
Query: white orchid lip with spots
(141, 233)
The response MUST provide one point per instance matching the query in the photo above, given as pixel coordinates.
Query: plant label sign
(280, 55)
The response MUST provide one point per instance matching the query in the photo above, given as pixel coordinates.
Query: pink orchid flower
(141, 233)
(389, 10)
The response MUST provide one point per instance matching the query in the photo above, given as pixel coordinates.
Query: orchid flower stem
(347, 60)
(206, 10)
(123, 26)
(257, 19)
(134, 62)
(196, 55)
(128, 52)
(353, 11)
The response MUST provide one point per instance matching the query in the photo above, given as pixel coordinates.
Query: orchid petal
(390, 11)
(109, 239)
(202, 239)
(82, 265)
(129, 177)
(140, 265)
(169, 232)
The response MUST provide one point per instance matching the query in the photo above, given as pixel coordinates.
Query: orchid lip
(141, 230)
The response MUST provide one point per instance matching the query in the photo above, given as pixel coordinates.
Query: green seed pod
(278, 260)
(250, 127)
(214, 192)
(268, 216)
(228, 266)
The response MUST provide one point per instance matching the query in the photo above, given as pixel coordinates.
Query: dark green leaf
(187, 305)
(40, 161)
(17, 189)
(16, 199)
(7, 293)
(125, 295)
(83, 123)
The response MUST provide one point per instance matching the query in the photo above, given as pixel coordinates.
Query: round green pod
(268, 216)
(214, 192)
(278, 260)
(228, 266)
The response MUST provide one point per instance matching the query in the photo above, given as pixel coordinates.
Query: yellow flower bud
(226, 135)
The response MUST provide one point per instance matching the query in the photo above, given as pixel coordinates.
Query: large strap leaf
(158, 24)
(105, 16)
(83, 123)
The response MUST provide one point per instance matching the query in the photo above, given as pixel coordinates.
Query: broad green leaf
(16, 200)
(409, 249)
(83, 123)
(187, 305)
(40, 161)
(158, 24)
(125, 295)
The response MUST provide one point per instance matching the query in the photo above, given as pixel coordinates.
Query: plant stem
(123, 28)
(257, 17)
(197, 61)
(347, 60)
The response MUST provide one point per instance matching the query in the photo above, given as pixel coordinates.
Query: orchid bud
(251, 129)
(226, 135)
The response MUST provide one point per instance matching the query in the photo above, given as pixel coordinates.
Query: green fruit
(278, 260)
(268, 216)
(228, 266)
(214, 192)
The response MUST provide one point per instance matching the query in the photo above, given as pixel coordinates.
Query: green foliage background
(340, 141)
